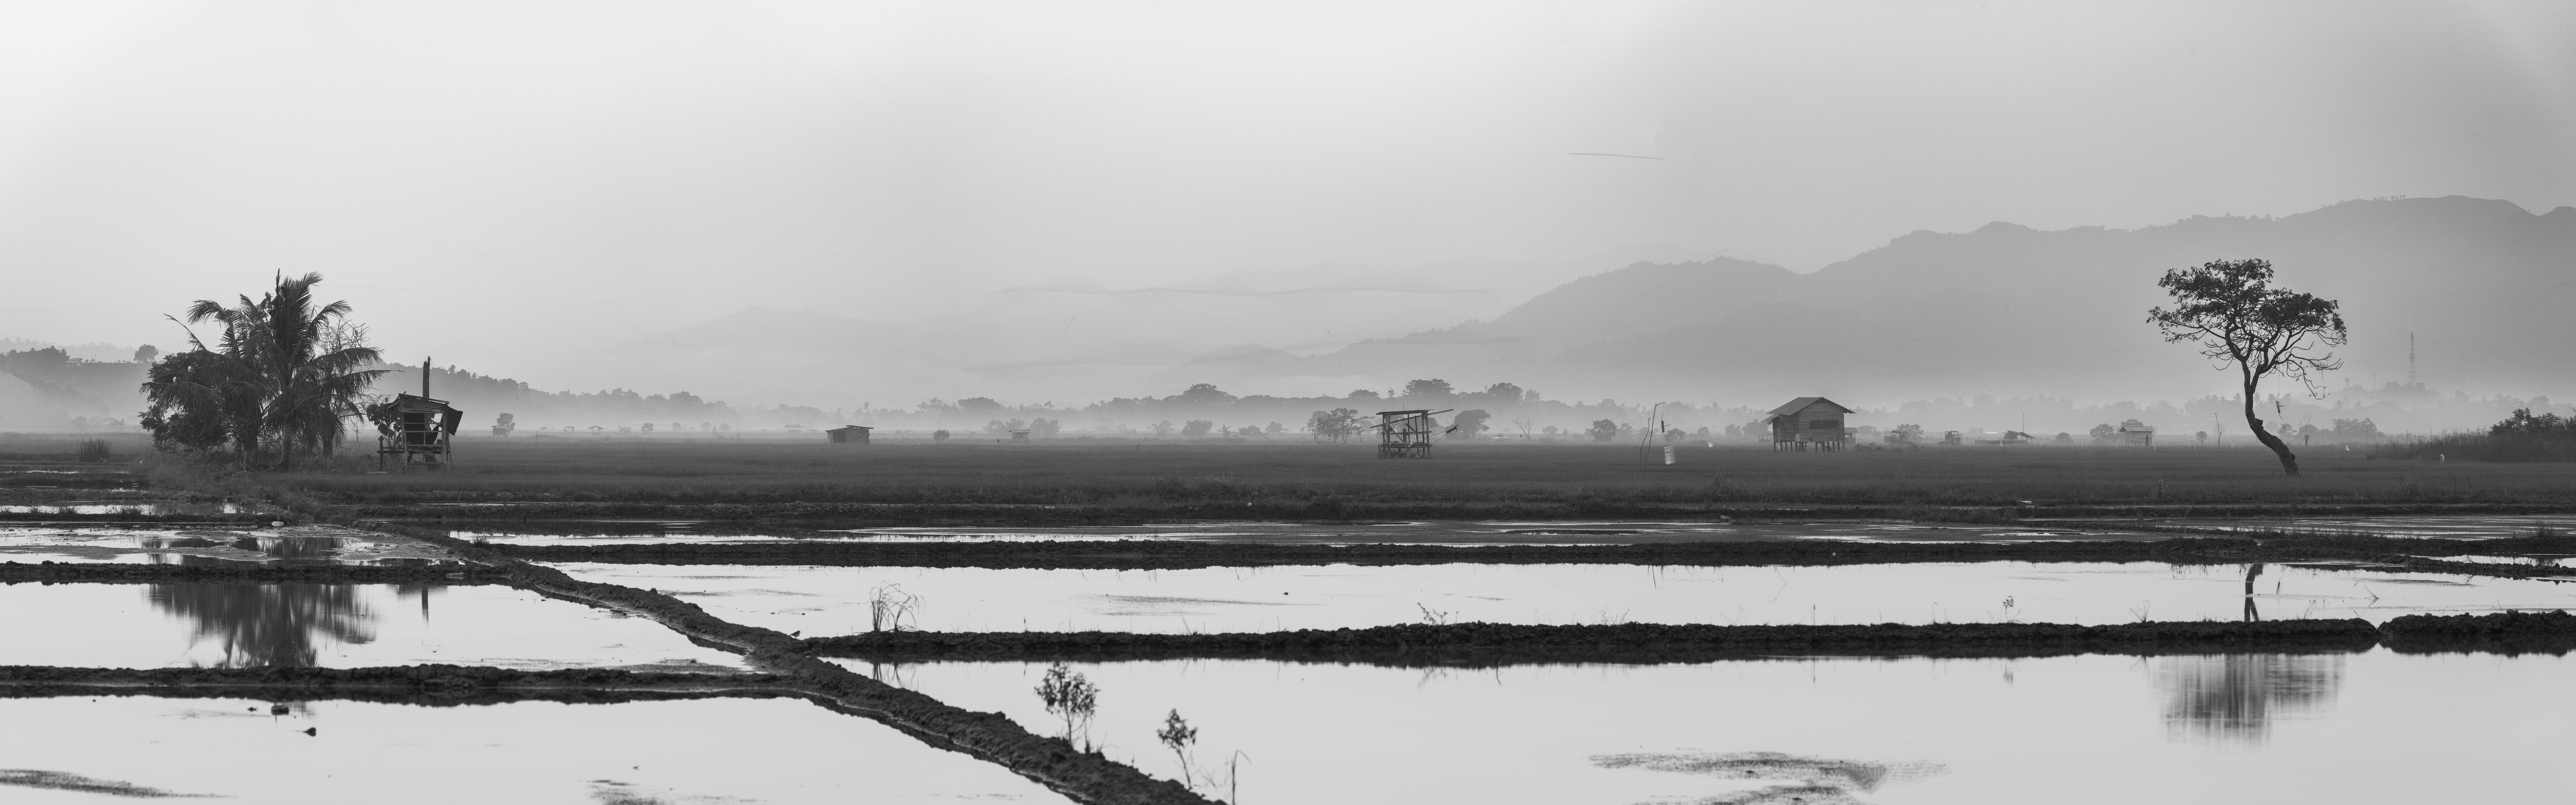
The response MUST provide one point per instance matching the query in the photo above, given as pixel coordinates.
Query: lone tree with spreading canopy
(2231, 311)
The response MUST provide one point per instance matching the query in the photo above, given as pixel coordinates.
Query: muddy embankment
(435, 685)
(1489, 644)
(993, 737)
(1146, 554)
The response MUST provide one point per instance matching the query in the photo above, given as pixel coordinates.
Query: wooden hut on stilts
(424, 429)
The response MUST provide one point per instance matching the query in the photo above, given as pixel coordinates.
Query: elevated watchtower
(1405, 434)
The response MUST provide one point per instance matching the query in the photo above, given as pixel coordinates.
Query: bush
(91, 451)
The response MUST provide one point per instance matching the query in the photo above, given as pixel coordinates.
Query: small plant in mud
(1178, 736)
(889, 606)
(1433, 617)
(1070, 696)
(2140, 611)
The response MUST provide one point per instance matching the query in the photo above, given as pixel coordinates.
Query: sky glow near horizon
(565, 176)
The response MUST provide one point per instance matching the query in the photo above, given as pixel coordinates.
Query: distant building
(1020, 435)
(1809, 423)
(849, 434)
(2135, 434)
(2010, 437)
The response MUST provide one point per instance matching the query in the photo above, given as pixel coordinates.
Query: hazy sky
(496, 182)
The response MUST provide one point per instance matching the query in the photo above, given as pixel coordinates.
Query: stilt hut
(849, 434)
(1809, 423)
(1405, 434)
(423, 429)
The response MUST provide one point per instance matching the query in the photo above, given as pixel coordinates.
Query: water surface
(705, 751)
(834, 600)
(328, 625)
(2373, 727)
(286, 545)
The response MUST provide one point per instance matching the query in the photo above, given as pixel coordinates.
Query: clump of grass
(1433, 617)
(889, 606)
(92, 451)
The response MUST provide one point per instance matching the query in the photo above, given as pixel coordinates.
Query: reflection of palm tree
(269, 624)
(2251, 571)
(2233, 698)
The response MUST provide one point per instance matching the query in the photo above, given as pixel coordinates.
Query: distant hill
(2011, 310)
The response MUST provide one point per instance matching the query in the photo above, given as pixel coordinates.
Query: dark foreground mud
(415, 684)
(1485, 644)
(2497, 633)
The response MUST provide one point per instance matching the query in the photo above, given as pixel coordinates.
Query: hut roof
(448, 416)
(851, 427)
(1801, 404)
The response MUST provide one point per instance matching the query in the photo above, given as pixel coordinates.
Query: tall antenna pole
(2410, 359)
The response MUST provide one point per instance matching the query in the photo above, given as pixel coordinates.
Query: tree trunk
(2289, 463)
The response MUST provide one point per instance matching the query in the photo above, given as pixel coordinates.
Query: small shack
(1020, 435)
(849, 434)
(423, 432)
(2136, 434)
(1809, 423)
(1405, 434)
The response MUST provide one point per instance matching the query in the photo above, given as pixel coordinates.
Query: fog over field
(849, 208)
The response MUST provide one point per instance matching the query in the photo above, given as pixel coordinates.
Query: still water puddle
(729, 751)
(1405, 533)
(835, 600)
(288, 545)
(152, 509)
(327, 625)
(2217, 729)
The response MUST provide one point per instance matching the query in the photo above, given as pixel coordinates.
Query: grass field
(1150, 473)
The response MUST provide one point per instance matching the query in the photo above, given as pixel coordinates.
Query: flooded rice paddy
(837, 600)
(245, 625)
(156, 509)
(731, 751)
(288, 545)
(1404, 533)
(2370, 727)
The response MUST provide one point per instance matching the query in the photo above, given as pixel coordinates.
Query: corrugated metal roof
(1801, 404)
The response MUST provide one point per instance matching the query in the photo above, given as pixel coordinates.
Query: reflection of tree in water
(2233, 698)
(269, 624)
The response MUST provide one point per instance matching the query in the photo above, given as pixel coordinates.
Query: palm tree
(277, 348)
